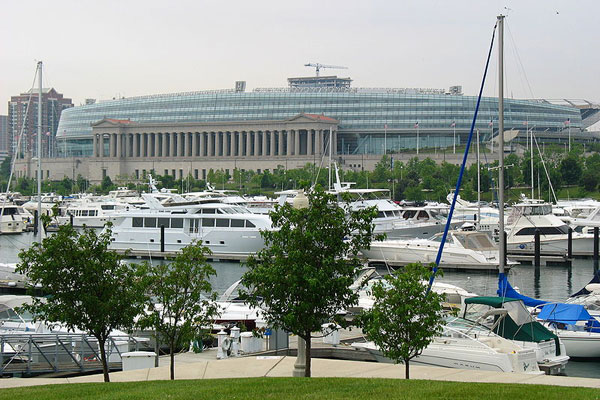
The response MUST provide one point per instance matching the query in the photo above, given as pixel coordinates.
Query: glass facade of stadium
(367, 118)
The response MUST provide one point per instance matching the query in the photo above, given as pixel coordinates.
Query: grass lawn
(299, 388)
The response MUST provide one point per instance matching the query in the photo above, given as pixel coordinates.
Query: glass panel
(163, 221)
(208, 222)
(237, 223)
(208, 211)
(177, 223)
(150, 222)
(222, 223)
(250, 225)
(137, 222)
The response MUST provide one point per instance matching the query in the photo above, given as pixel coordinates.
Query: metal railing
(33, 353)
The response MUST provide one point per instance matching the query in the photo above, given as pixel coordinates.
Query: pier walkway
(205, 366)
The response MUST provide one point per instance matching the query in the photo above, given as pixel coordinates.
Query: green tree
(404, 317)
(571, 169)
(181, 299)
(301, 278)
(87, 285)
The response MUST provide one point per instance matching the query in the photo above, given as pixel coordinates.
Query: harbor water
(553, 283)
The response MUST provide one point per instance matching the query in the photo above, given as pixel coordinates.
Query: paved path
(205, 366)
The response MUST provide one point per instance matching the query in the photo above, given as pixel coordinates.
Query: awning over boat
(495, 302)
(564, 313)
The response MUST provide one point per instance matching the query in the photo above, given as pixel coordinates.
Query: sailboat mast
(532, 186)
(502, 246)
(39, 155)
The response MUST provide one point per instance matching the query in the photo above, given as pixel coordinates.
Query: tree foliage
(302, 277)
(87, 285)
(180, 299)
(405, 317)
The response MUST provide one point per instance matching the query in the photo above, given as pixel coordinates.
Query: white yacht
(93, 214)
(469, 250)
(510, 319)
(12, 219)
(467, 346)
(530, 215)
(226, 229)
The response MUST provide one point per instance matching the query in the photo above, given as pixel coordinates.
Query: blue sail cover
(506, 290)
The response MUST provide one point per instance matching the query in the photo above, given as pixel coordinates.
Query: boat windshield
(541, 209)
(235, 210)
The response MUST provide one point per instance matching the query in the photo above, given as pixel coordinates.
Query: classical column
(272, 143)
(134, 145)
(256, 144)
(309, 150)
(223, 143)
(101, 149)
(231, 136)
(201, 144)
(248, 143)
(171, 136)
(111, 144)
(240, 146)
(210, 144)
(194, 144)
(289, 142)
(94, 145)
(297, 142)
(319, 142)
(118, 142)
(263, 151)
(280, 144)
(188, 144)
(181, 145)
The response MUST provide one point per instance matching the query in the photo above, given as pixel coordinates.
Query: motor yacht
(12, 219)
(93, 214)
(467, 346)
(466, 250)
(531, 215)
(510, 319)
(226, 229)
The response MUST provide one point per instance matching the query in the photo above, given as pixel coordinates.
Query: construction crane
(319, 66)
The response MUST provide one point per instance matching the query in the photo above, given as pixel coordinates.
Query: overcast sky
(103, 49)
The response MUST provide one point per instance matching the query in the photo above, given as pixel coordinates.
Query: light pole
(300, 202)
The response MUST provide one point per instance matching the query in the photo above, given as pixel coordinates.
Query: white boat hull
(401, 253)
(439, 354)
(580, 344)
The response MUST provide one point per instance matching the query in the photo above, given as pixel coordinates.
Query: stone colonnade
(138, 143)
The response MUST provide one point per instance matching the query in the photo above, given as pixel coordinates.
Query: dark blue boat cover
(564, 313)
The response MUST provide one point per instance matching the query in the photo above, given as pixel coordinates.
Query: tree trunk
(406, 368)
(172, 351)
(307, 371)
(101, 343)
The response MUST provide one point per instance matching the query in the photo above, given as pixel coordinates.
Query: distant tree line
(413, 180)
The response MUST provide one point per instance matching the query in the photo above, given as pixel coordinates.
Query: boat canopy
(564, 313)
(495, 302)
(517, 324)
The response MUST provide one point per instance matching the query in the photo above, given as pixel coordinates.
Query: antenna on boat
(502, 247)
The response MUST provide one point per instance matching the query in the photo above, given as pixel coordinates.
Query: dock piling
(162, 238)
(570, 243)
(537, 248)
(596, 244)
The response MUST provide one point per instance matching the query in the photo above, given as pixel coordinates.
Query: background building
(24, 118)
(369, 119)
(4, 144)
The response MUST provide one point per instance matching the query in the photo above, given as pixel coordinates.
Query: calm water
(553, 283)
